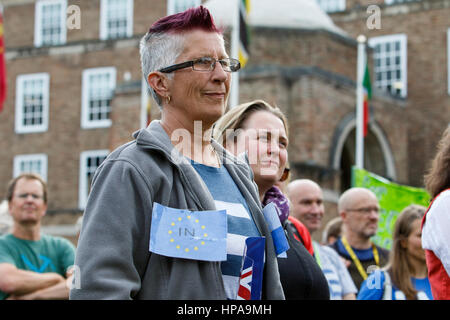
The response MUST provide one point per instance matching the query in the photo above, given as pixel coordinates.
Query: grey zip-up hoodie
(113, 255)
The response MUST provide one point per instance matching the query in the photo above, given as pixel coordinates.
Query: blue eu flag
(181, 233)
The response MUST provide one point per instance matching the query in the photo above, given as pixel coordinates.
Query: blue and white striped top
(227, 196)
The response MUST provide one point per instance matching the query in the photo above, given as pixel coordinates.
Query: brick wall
(308, 74)
(425, 23)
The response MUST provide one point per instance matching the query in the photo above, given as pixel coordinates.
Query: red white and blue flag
(250, 280)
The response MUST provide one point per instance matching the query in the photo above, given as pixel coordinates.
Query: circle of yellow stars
(195, 248)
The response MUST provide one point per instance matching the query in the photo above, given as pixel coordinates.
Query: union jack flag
(245, 282)
(250, 280)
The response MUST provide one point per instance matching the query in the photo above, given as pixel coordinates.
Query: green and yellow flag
(392, 197)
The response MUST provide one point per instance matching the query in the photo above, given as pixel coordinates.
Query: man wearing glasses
(142, 235)
(32, 265)
(359, 210)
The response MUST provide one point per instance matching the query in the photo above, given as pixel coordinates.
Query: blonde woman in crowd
(261, 131)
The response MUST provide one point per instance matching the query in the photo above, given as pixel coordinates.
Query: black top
(301, 276)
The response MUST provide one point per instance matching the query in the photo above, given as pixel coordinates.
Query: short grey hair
(159, 50)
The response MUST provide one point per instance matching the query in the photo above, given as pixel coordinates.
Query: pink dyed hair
(191, 19)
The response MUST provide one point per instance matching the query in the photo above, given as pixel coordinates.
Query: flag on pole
(3, 86)
(360, 98)
(367, 96)
(244, 36)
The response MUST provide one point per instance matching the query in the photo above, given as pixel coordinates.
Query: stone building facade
(308, 72)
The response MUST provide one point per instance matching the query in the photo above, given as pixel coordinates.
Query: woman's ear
(159, 82)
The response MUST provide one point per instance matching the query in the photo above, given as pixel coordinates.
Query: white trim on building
(332, 5)
(448, 61)
(116, 19)
(98, 86)
(50, 22)
(382, 140)
(175, 6)
(390, 63)
(34, 163)
(32, 103)
(89, 162)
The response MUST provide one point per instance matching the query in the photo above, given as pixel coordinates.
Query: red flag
(3, 86)
(367, 96)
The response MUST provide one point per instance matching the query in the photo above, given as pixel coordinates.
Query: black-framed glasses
(205, 64)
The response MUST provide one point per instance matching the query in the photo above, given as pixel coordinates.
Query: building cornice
(359, 12)
(76, 47)
(294, 73)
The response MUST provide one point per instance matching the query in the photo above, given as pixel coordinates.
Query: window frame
(171, 5)
(448, 61)
(20, 158)
(341, 4)
(83, 187)
(392, 2)
(85, 122)
(38, 41)
(19, 114)
(104, 6)
(403, 39)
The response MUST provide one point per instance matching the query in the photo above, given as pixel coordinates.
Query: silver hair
(159, 50)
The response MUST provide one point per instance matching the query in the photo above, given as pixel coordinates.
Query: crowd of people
(227, 164)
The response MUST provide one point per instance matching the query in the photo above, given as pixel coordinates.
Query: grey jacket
(113, 255)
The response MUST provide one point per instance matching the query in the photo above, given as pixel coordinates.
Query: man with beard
(32, 265)
(359, 210)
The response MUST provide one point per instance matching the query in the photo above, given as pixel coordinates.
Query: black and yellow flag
(244, 35)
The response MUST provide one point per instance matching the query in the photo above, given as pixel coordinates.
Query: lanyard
(316, 254)
(356, 260)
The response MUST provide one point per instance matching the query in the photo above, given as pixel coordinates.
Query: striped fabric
(240, 226)
(227, 196)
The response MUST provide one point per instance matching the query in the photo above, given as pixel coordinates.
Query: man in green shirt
(32, 265)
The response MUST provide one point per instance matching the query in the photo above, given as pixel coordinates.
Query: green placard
(393, 198)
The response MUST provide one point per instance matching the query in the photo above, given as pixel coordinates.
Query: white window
(175, 6)
(50, 23)
(331, 5)
(116, 19)
(32, 97)
(89, 162)
(97, 92)
(390, 63)
(30, 163)
(448, 60)
(399, 1)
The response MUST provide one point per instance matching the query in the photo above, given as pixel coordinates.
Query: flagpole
(359, 152)
(234, 92)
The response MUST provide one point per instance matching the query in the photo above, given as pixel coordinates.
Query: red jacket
(305, 236)
(437, 275)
